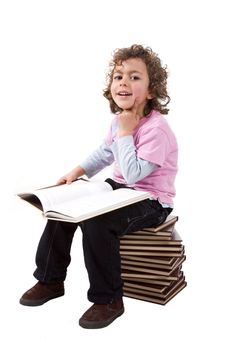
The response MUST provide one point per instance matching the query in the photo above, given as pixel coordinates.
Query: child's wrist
(124, 133)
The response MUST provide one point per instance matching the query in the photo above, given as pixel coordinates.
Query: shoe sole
(99, 324)
(27, 302)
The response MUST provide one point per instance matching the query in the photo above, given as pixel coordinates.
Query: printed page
(93, 205)
(52, 197)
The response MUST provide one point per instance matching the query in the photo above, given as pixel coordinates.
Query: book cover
(152, 270)
(167, 262)
(163, 269)
(158, 253)
(135, 285)
(150, 274)
(149, 247)
(144, 238)
(140, 280)
(153, 289)
(164, 229)
(153, 296)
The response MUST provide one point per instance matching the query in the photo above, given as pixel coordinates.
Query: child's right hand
(128, 120)
(71, 176)
(66, 179)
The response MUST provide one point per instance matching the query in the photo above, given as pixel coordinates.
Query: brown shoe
(101, 315)
(40, 293)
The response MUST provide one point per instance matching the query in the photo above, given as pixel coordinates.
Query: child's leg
(102, 260)
(53, 252)
(101, 246)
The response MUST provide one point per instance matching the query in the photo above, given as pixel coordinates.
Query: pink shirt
(156, 143)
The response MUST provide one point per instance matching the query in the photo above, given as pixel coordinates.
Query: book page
(89, 206)
(51, 197)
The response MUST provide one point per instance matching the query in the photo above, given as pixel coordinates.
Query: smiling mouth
(124, 93)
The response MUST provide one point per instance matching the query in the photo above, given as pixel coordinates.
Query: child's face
(130, 82)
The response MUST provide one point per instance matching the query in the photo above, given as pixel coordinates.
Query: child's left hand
(128, 120)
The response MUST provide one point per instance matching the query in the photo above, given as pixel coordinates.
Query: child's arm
(132, 167)
(98, 160)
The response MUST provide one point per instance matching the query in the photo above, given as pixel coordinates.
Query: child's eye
(134, 77)
(117, 77)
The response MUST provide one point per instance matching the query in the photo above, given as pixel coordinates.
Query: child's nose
(123, 82)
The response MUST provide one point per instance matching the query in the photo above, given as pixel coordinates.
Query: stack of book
(151, 263)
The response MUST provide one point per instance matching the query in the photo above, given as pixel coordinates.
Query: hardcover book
(81, 200)
(161, 269)
(151, 263)
(147, 238)
(153, 296)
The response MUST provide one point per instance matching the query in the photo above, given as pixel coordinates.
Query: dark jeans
(100, 247)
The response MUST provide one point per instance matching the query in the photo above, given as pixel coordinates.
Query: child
(143, 149)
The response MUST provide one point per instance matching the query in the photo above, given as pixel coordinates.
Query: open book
(81, 200)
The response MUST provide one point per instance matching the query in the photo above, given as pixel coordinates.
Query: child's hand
(66, 179)
(128, 120)
(71, 176)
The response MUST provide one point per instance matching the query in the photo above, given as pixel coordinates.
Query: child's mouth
(124, 93)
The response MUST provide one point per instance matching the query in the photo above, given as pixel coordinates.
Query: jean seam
(48, 256)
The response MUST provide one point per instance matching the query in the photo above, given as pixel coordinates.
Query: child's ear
(149, 96)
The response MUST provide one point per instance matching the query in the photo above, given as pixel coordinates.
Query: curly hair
(157, 77)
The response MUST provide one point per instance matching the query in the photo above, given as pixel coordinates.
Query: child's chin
(125, 106)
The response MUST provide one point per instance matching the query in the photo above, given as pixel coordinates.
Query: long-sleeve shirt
(146, 160)
(124, 152)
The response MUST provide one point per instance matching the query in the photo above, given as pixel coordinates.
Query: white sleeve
(98, 160)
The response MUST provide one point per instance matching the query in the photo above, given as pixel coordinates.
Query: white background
(54, 56)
